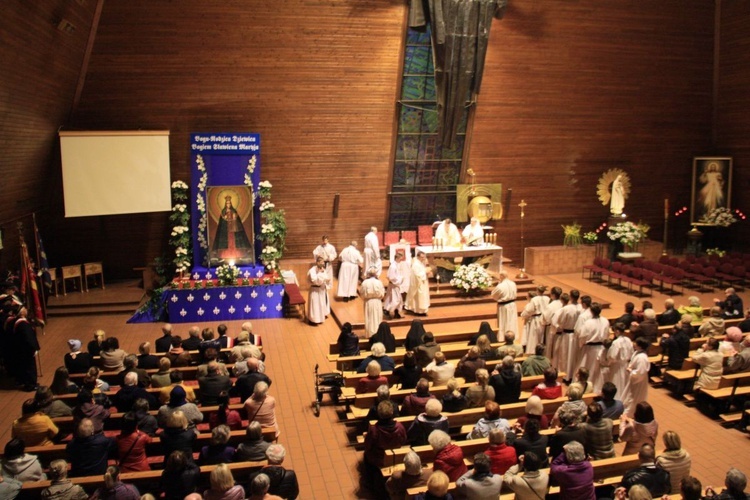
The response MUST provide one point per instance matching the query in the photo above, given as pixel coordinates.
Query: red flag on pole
(29, 288)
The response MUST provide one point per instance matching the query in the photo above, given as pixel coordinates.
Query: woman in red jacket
(131, 446)
(502, 456)
(449, 458)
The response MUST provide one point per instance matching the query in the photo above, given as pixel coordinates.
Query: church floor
(317, 447)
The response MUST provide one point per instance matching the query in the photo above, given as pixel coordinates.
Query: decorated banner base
(224, 303)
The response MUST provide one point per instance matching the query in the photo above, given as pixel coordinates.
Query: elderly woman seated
(383, 394)
(574, 404)
(693, 308)
(713, 326)
(449, 458)
(253, 449)
(427, 422)
(453, 401)
(378, 354)
(372, 381)
(573, 473)
(414, 403)
(491, 420)
(477, 395)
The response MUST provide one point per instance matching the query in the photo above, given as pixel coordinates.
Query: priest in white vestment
(473, 234)
(638, 372)
(372, 252)
(618, 357)
(418, 298)
(550, 331)
(533, 330)
(351, 260)
(507, 311)
(591, 342)
(394, 302)
(564, 321)
(327, 252)
(318, 306)
(448, 235)
(372, 291)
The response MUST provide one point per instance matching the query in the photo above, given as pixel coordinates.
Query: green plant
(590, 237)
(572, 235)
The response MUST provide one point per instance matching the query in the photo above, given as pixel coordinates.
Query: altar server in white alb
(394, 302)
(564, 321)
(552, 307)
(533, 330)
(318, 306)
(619, 355)
(507, 311)
(372, 291)
(372, 252)
(447, 233)
(591, 342)
(351, 261)
(327, 252)
(473, 234)
(638, 371)
(418, 298)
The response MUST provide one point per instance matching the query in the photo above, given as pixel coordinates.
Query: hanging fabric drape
(460, 33)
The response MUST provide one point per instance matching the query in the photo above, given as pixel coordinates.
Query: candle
(433, 243)
(666, 207)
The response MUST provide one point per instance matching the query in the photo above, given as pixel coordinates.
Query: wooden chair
(92, 270)
(74, 273)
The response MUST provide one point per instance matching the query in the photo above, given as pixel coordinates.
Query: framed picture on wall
(712, 187)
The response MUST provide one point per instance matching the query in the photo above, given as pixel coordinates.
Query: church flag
(43, 263)
(29, 287)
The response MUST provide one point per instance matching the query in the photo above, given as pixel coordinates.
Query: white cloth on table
(505, 294)
(533, 330)
(318, 306)
(418, 298)
(372, 291)
(393, 300)
(351, 259)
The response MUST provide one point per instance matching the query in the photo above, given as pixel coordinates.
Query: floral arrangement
(721, 217)
(272, 229)
(628, 233)
(227, 274)
(471, 278)
(201, 204)
(180, 235)
(591, 237)
(572, 235)
(716, 251)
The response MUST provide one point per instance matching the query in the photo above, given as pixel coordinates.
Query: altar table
(495, 251)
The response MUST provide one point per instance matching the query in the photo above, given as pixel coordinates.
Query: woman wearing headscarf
(348, 341)
(414, 335)
(178, 402)
(484, 329)
(385, 337)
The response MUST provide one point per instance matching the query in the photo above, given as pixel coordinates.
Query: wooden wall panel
(40, 69)
(734, 106)
(572, 89)
(316, 79)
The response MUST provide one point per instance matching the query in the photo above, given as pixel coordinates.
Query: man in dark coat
(283, 481)
(212, 385)
(506, 382)
(670, 316)
(245, 383)
(164, 343)
(130, 392)
(88, 452)
(654, 478)
(25, 346)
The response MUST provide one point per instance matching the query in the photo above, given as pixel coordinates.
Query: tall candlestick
(666, 207)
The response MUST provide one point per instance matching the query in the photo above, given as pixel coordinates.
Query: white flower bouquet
(471, 278)
(227, 274)
(721, 217)
(627, 233)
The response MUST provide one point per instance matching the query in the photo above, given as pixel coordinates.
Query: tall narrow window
(425, 173)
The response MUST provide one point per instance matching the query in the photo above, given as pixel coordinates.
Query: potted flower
(471, 278)
(721, 217)
(590, 238)
(628, 233)
(227, 274)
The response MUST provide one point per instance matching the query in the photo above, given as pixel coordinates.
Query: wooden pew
(145, 481)
(730, 386)
(47, 454)
(112, 378)
(607, 472)
(440, 338)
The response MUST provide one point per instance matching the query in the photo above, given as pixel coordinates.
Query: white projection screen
(115, 172)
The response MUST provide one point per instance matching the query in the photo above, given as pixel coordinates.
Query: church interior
(343, 98)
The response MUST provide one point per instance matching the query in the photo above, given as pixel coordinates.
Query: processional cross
(522, 274)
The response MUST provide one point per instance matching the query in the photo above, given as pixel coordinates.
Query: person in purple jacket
(573, 473)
